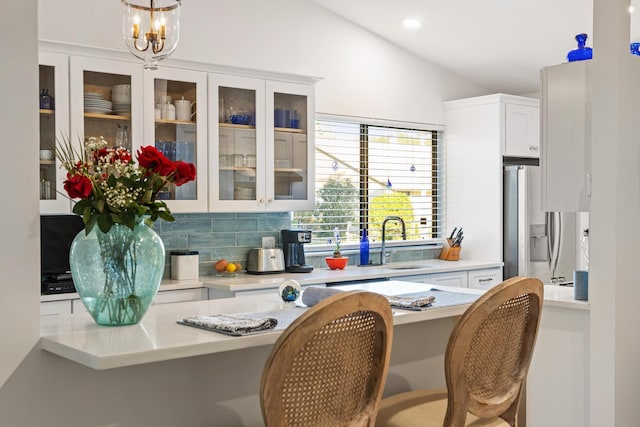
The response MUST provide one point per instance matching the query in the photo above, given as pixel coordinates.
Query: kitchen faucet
(383, 259)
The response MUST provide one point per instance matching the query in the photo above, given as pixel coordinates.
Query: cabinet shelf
(47, 162)
(106, 116)
(47, 112)
(289, 130)
(175, 122)
(234, 126)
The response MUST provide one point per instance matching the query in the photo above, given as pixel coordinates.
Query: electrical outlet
(269, 242)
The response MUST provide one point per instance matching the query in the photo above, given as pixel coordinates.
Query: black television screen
(56, 234)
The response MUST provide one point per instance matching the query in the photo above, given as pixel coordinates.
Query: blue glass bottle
(582, 52)
(364, 248)
(635, 48)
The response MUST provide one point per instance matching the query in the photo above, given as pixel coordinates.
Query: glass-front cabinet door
(261, 148)
(54, 124)
(290, 144)
(175, 123)
(106, 101)
(236, 144)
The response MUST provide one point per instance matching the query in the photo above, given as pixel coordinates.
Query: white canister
(184, 265)
(168, 111)
(183, 109)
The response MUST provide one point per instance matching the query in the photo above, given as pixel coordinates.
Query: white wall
(362, 76)
(19, 223)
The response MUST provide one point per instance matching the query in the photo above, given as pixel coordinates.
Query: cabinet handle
(485, 280)
(261, 201)
(269, 201)
(533, 147)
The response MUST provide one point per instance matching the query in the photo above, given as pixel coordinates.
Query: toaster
(265, 261)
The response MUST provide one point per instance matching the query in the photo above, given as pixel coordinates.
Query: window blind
(366, 172)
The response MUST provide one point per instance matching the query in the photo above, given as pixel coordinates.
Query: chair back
(328, 368)
(490, 349)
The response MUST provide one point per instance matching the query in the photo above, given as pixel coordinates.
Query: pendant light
(151, 29)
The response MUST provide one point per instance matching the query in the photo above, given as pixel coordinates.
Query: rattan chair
(328, 368)
(486, 363)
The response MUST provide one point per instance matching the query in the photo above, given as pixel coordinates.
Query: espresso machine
(293, 245)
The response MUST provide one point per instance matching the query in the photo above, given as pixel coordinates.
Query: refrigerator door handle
(554, 240)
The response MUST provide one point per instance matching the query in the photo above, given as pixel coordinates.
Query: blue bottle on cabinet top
(635, 48)
(582, 52)
(364, 248)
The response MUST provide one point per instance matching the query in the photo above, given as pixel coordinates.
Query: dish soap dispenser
(364, 248)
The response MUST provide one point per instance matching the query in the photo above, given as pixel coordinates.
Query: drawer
(455, 278)
(484, 279)
(195, 294)
(55, 308)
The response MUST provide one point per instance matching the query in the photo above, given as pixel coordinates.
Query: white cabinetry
(181, 137)
(93, 112)
(261, 145)
(54, 123)
(476, 137)
(454, 278)
(566, 134)
(484, 279)
(181, 295)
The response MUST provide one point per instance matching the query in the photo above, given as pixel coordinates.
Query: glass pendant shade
(151, 29)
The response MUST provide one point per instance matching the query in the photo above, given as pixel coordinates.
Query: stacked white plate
(94, 103)
(124, 109)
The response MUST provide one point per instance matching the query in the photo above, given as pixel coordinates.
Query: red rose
(121, 154)
(78, 186)
(149, 157)
(185, 172)
(101, 154)
(164, 167)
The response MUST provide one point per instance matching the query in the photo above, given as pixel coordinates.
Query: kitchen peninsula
(223, 373)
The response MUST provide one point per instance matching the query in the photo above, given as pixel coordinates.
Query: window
(366, 171)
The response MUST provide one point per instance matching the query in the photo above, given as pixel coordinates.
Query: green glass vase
(117, 274)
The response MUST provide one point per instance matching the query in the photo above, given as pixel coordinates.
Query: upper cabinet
(521, 127)
(260, 145)
(54, 124)
(106, 101)
(175, 119)
(566, 134)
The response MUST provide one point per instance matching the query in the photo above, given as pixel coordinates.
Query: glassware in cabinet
(54, 123)
(236, 151)
(291, 137)
(175, 123)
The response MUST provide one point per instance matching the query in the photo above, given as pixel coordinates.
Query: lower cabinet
(181, 295)
(484, 279)
(455, 278)
(55, 308)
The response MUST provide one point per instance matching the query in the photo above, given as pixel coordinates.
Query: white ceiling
(499, 44)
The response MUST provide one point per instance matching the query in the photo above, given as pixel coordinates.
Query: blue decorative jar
(582, 52)
(635, 48)
(117, 274)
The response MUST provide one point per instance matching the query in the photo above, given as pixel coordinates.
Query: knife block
(450, 253)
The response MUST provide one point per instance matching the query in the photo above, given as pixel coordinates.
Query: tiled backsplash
(219, 235)
(231, 235)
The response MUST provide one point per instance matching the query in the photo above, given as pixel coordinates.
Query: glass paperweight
(582, 52)
(289, 290)
(635, 48)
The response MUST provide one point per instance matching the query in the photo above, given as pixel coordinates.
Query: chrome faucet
(383, 255)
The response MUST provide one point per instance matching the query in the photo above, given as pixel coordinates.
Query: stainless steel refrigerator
(536, 243)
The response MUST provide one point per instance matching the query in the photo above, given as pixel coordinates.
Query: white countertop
(158, 337)
(249, 282)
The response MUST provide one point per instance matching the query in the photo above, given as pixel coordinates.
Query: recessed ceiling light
(631, 9)
(412, 23)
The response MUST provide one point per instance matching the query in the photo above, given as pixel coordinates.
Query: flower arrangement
(114, 190)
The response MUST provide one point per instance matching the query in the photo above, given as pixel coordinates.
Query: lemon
(231, 267)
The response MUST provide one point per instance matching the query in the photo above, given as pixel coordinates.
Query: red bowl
(337, 263)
